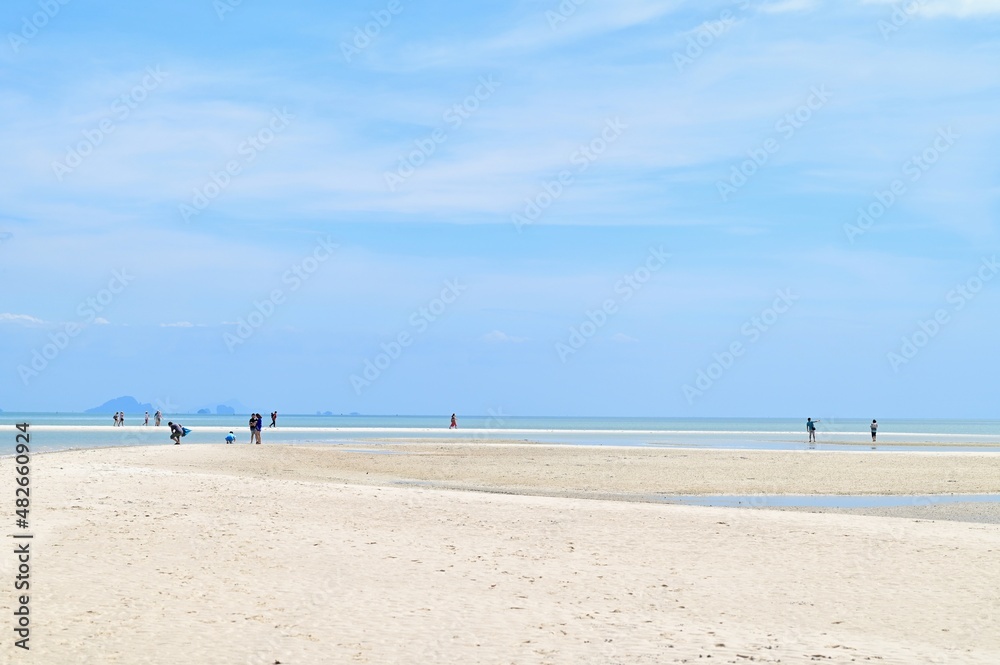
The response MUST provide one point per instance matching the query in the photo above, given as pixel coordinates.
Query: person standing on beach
(274, 419)
(176, 432)
(157, 417)
(260, 424)
(121, 419)
(454, 423)
(253, 427)
(874, 429)
(116, 419)
(146, 422)
(811, 428)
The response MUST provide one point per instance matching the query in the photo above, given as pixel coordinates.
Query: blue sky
(210, 201)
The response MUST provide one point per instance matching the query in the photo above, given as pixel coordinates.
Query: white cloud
(785, 6)
(500, 337)
(956, 8)
(21, 319)
(622, 338)
(101, 321)
(179, 324)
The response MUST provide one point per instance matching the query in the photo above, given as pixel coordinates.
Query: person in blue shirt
(230, 438)
(811, 428)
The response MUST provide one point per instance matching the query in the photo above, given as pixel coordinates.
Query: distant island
(127, 404)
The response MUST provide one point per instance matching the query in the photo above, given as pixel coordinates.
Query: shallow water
(824, 500)
(66, 431)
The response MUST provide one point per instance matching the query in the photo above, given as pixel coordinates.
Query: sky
(582, 208)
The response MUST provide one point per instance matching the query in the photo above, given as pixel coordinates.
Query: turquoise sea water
(55, 431)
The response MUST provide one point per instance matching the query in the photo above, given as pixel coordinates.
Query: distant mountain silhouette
(223, 409)
(128, 404)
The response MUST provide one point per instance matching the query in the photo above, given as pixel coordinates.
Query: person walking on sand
(274, 419)
(260, 424)
(454, 423)
(811, 428)
(146, 421)
(157, 417)
(874, 428)
(176, 432)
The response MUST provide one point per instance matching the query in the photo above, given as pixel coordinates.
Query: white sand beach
(454, 553)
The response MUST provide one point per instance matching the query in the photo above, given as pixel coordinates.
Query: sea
(63, 431)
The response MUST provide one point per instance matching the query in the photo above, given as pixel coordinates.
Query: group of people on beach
(256, 423)
(120, 418)
(811, 429)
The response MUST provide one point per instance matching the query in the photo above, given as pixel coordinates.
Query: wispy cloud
(788, 6)
(499, 337)
(21, 319)
(953, 8)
